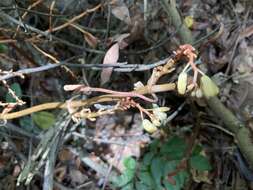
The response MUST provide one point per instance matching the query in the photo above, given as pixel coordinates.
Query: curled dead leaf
(91, 40)
(120, 11)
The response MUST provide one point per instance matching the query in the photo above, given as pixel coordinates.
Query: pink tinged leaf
(111, 57)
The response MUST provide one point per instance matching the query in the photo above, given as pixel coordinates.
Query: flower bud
(156, 122)
(199, 93)
(182, 83)
(193, 93)
(208, 87)
(161, 116)
(148, 126)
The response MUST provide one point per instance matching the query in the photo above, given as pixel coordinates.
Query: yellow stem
(80, 103)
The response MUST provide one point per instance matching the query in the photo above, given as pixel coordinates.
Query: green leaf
(128, 186)
(127, 176)
(154, 145)
(200, 163)
(174, 149)
(157, 166)
(124, 178)
(17, 90)
(180, 180)
(129, 163)
(26, 124)
(148, 158)
(180, 177)
(3, 48)
(43, 119)
(196, 150)
(170, 166)
(147, 179)
(144, 168)
(141, 186)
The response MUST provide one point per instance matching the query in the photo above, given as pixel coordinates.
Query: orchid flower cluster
(206, 87)
(185, 84)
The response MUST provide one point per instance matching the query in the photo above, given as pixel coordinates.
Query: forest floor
(130, 95)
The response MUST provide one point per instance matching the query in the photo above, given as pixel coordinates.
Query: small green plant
(44, 120)
(160, 167)
(126, 179)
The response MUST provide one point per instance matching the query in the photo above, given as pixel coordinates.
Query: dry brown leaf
(77, 176)
(122, 142)
(239, 8)
(121, 40)
(120, 37)
(247, 32)
(111, 57)
(65, 155)
(91, 40)
(121, 12)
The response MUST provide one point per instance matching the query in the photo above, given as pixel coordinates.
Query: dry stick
(25, 14)
(31, 11)
(50, 17)
(42, 33)
(55, 60)
(242, 133)
(119, 67)
(45, 53)
(73, 19)
(29, 70)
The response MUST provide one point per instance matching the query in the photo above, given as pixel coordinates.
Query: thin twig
(46, 34)
(32, 11)
(119, 67)
(30, 70)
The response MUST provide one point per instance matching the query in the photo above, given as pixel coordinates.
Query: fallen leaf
(239, 8)
(91, 40)
(77, 176)
(120, 37)
(121, 40)
(111, 57)
(247, 32)
(65, 155)
(121, 12)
